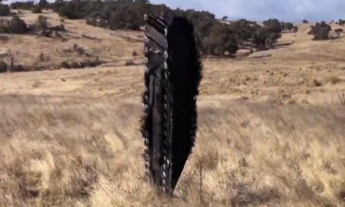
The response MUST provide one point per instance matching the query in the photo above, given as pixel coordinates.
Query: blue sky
(285, 10)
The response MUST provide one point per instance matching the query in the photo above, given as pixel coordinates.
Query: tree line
(213, 37)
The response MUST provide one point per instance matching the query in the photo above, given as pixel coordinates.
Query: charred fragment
(172, 77)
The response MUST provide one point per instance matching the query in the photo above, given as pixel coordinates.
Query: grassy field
(271, 130)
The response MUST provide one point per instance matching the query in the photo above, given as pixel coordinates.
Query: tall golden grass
(84, 152)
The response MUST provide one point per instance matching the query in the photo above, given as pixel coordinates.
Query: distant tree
(338, 31)
(221, 39)
(225, 18)
(288, 26)
(320, 31)
(213, 37)
(43, 3)
(243, 30)
(341, 22)
(3, 67)
(18, 26)
(36, 9)
(273, 25)
(264, 38)
(26, 5)
(312, 30)
(4, 9)
(305, 21)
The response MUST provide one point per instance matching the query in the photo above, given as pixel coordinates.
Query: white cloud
(286, 10)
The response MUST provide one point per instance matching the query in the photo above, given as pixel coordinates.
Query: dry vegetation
(79, 43)
(271, 130)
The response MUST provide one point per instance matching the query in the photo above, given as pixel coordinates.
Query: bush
(3, 67)
(17, 25)
(339, 30)
(273, 25)
(68, 13)
(264, 37)
(28, 5)
(65, 65)
(36, 10)
(91, 63)
(220, 39)
(320, 31)
(43, 4)
(41, 23)
(4, 10)
(287, 26)
(341, 22)
(244, 30)
(18, 68)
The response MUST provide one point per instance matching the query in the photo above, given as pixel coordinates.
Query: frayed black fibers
(185, 68)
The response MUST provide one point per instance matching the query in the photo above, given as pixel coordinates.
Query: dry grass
(100, 43)
(71, 137)
(84, 152)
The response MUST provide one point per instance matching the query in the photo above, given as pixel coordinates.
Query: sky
(259, 10)
(284, 10)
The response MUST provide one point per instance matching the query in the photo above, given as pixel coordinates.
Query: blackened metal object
(172, 77)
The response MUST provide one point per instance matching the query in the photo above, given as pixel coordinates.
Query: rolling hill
(271, 128)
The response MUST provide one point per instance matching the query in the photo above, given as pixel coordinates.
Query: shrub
(264, 37)
(320, 31)
(91, 63)
(339, 30)
(273, 25)
(43, 4)
(18, 68)
(65, 65)
(287, 26)
(17, 25)
(41, 23)
(36, 10)
(4, 10)
(341, 22)
(26, 5)
(3, 67)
